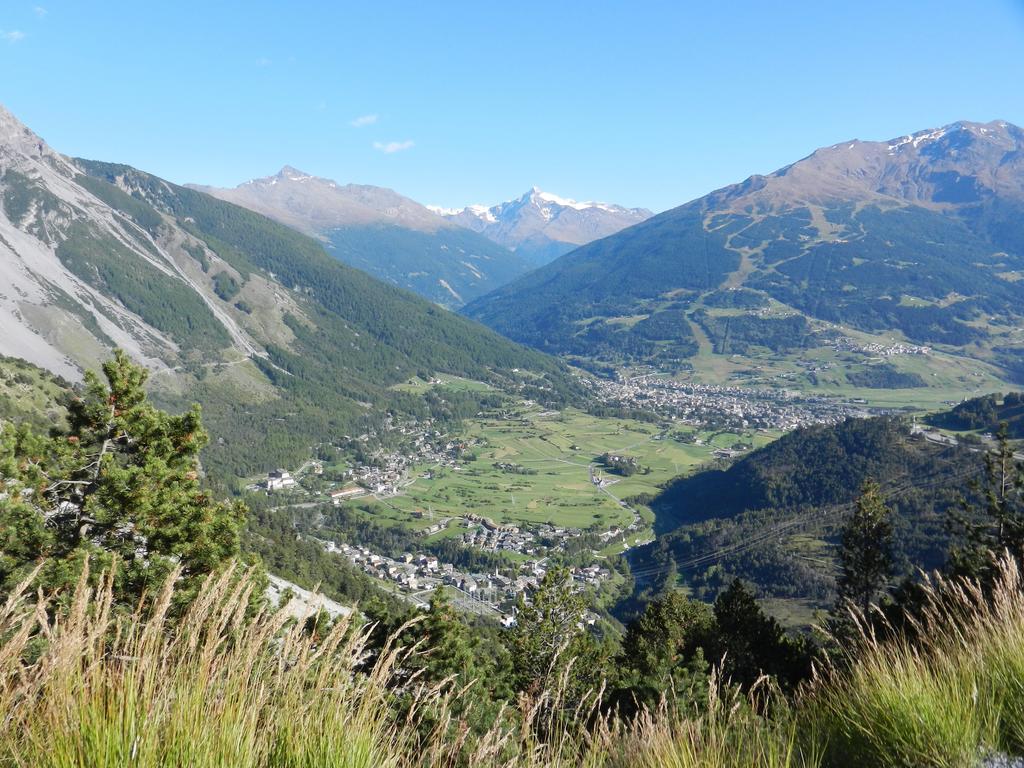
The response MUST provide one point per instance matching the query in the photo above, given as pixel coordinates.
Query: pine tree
(122, 482)
(448, 647)
(998, 525)
(547, 629)
(750, 643)
(664, 647)
(667, 579)
(865, 553)
(448, 653)
(24, 535)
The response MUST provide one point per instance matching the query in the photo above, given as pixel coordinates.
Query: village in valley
(423, 453)
(416, 576)
(491, 487)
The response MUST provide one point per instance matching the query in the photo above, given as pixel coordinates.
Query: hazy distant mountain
(378, 230)
(922, 236)
(540, 226)
(283, 345)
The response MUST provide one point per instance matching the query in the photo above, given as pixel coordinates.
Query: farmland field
(549, 457)
(944, 378)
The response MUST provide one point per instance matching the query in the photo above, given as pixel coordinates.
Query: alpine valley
(305, 473)
(283, 345)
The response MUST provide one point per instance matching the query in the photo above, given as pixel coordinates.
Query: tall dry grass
(949, 699)
(732, 731)
(216, 690)
(220, 689)
(89, 686)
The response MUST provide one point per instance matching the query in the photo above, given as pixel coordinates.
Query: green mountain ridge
(989, 413)
(449, 266)
(326, 372)
(918, 238)
(773, 517)
(382, 232)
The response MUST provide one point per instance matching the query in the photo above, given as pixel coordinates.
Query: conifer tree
(450, 651)
(996, 526)
(663, 647)
(749, 643)
(122, 481)
(865, 553)
(449, 648)
(547, 629)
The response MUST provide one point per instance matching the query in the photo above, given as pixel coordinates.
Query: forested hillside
(283, 346)
(350, 338)
(773, 517)
(987, 413)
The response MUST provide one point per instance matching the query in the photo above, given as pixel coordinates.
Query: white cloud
(391, 147)
(363, 120)
(40, 11)
(13, 36)
(263, 61)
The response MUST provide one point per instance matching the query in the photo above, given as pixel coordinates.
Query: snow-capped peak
(293, 174)
(536, 194)
(548, 224)
(547, 202)
(440, 210)
(916, 139)
(481, 212)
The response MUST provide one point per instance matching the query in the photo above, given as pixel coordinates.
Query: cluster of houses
(500, 539)
(420, 444)
(730, 407)
(419, 573)
(539, 540)
(846, 344)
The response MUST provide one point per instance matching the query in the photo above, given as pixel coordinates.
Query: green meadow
(557, 452)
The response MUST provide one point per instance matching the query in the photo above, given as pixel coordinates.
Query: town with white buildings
(724, 407)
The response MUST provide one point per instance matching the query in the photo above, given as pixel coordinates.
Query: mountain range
(282, 344)
(540, 226)
(918, 238)
(382, 232)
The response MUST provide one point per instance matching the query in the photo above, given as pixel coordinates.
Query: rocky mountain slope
(283, 345)
(382, 232)
(918, 238)
(540, 226)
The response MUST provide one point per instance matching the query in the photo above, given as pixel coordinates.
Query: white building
(348, 492)
(279, 479)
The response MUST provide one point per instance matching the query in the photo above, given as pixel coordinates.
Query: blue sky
(643, 103)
